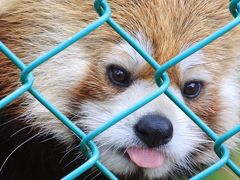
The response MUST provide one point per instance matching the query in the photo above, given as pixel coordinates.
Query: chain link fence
(87, 146)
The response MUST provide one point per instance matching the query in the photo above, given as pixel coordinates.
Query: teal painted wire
(160, 69)
(206, 129)
(225, 137)
(25, 87)
(17, 93)
(12, 56)
(210, 133)
(191, 114)
(70, 41)
(144, 101)
(234, 7)
(105, 171)
(133, 43)
(200, 44)
(177, 59)
(214, 167)
(160, 76)
(221, 140)
(84, 167)
(28, 86)
(125, 113)
(79, 133)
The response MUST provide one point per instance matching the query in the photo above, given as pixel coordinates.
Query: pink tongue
(146, 158)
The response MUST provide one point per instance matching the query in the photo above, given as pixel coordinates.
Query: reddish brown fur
(96, 86)
(170, 29)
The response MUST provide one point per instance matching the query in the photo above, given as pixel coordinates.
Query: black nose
(154, 130)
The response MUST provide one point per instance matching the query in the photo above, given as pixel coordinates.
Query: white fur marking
(192, 68)
(191, 62)
(125, 55)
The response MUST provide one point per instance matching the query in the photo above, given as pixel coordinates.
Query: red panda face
(102, 75)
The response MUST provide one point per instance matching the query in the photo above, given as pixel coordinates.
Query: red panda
(101, 75)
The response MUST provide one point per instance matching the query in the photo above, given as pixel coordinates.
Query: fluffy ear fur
(76, 82)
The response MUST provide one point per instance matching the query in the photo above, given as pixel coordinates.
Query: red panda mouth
(146, 158)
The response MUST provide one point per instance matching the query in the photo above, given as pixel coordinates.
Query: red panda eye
(119, 76)
(192, 89)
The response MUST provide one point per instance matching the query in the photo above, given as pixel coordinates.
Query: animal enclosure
(87, 146)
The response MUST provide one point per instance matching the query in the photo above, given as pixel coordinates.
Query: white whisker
(20, 145)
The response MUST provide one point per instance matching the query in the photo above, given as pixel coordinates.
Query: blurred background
(225, 173)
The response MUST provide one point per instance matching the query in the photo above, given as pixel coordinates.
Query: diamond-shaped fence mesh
(87, 146)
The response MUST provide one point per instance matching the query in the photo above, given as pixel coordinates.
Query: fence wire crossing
(87, 146)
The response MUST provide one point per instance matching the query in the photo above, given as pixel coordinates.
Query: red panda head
(102, 75)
